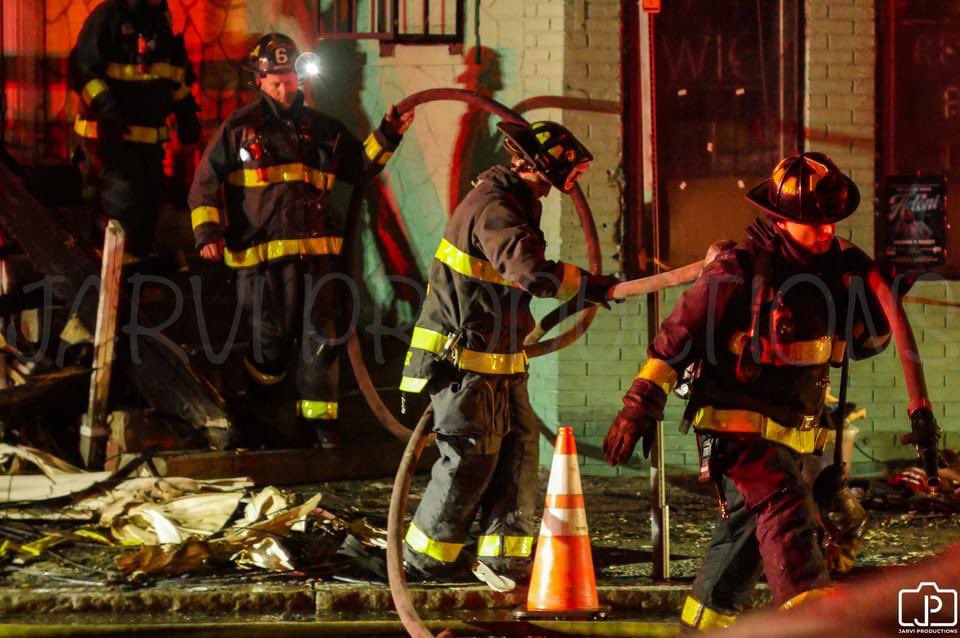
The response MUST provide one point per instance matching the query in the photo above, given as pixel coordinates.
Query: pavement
(81, 588)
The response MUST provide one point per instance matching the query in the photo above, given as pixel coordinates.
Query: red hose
(417, 441)
(360, 371)
(906, 343)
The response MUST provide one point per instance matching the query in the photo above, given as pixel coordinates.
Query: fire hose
(416, 440)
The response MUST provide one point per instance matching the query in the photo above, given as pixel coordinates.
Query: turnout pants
(131, 190)
(293, 305)
(487, 434)
(771, 527)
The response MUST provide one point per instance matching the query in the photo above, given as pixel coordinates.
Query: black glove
(111, 128)
(188, 124)
(389, 127)
(925, 435)
(597, 287)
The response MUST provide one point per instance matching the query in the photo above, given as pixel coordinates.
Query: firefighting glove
(390, 127)
(642, 408)
(188, 124)
(596, 288)
(110, 130)
(925, 435)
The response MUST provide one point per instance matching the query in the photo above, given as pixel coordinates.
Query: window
(919, 111)
(729, 107)
(394, 21)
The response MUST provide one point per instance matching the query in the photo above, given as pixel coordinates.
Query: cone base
(599, 613)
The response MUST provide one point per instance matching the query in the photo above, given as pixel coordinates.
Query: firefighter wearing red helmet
(760, 330)
(466, 351)
(131, 73)
(260, 202)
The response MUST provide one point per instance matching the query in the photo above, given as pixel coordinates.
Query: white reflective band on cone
(564, 475)
(561, 521)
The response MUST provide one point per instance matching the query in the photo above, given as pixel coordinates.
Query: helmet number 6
(280, 55)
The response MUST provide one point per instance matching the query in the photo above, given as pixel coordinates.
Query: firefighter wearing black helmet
(466, 351)
(259, 202)
(131, 73)
(760, 329)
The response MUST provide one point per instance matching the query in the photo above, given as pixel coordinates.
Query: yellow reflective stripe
(204, 215)
(181, 92)
(279, 248)
(508, 546)
(805, 596)
(281, 173)
(467, 265)
(696, 614)
(472, 360)
(262, 378)
(439, 550)
(135, 133)
(810, 352)
(804, 440)
(413, 384)
(659, 372)
(156, 71)
(7, 547)
(570, 285)
(491, 363)
(317, 410)
(426, 339)
(92, 89)
(838, 350)
(374, 151)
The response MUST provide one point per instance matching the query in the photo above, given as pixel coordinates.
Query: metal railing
(394, 21)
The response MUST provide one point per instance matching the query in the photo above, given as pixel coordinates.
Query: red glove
(642, 408)
(628, 428)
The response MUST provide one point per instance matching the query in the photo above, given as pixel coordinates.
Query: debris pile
(176, 525)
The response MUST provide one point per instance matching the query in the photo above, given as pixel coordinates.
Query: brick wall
(841, 120)
(571, 50)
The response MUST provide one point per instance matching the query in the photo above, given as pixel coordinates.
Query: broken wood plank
(162, 377)
(290, 467)
(93, 430)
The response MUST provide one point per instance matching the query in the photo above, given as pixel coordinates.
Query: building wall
(556, 59)
(841, 120)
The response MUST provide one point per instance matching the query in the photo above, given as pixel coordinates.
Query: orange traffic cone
(563, 582)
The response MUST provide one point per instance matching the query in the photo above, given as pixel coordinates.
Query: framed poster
(913, 223)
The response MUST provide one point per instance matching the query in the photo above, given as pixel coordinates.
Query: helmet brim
(759, 196)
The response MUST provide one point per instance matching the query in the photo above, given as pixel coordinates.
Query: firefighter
(760, 329)
(467, 353)
(131, 72)
(260, 202)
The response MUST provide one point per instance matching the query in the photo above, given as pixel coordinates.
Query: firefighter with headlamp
(260, 203)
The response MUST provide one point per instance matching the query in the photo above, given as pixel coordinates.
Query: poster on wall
(914, 223)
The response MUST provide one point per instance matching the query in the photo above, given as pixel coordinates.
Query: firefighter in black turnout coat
(759, 330)
(259, 202)
(131, 72)
(467, 352)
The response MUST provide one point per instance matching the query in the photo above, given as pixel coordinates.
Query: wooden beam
(93, 430)
(163, 380)
(291, 467)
